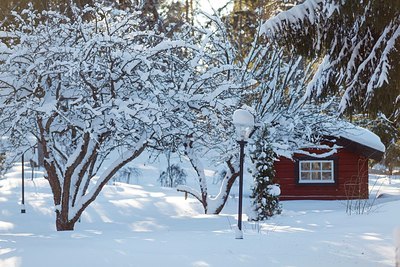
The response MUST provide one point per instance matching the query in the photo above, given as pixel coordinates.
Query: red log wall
(351, 179)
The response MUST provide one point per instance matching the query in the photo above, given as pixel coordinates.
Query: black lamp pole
(244, 123)
(23, 186)
(241, 143)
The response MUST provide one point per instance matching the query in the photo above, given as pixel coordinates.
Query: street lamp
(244, 124)
(23, 185)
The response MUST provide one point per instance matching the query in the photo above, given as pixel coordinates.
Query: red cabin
(344, 175)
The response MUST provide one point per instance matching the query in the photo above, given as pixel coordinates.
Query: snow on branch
(320, 78)
(376, 62)
(309, 11)
(190, 191)
(380, 75)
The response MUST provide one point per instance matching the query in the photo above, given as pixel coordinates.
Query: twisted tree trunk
(210, 205)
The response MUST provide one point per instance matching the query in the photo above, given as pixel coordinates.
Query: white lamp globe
(244, 123)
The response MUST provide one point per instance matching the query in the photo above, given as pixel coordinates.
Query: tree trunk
(63, 224)
(202, 196)
(230, 183)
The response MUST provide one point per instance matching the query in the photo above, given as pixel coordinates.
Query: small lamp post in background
(23, 185)
(244, 124)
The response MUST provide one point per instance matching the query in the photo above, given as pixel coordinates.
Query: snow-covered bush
(173, 176)
(356, 202)
(126, 173)
(265, 191)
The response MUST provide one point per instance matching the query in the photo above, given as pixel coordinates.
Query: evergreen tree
(64, 6)
(355, 44)
(265, 200)
(389, 132)
(392, 156)
(176, 14)
(245, 18)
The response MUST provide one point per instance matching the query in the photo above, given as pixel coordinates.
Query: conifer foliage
(355, 43)
(265, 193)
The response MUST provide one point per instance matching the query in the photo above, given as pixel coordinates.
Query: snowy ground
(145, 225)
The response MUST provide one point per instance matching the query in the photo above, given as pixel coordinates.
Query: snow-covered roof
(362, 136)
(354, 138)
(359, 140)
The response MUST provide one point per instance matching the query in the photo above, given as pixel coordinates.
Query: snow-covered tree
(211, 204)
(355, 42)
(274, 85)
(389, 133)
(97, 87)
(89, 89)
(212, 128)
(245, 16)
(279, 98)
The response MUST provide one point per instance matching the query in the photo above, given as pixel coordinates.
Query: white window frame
(315, 175)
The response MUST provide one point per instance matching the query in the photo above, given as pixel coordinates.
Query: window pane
(316, 166)
(305, 166)
(316, 171)
(305, 176)
(316, 176)
(326, 165)
(327, 176)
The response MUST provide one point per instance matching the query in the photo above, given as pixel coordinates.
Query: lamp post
(244, 124)
(23, 185)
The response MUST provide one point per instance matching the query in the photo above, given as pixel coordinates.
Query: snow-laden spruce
(265, 191)
(355, 41)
